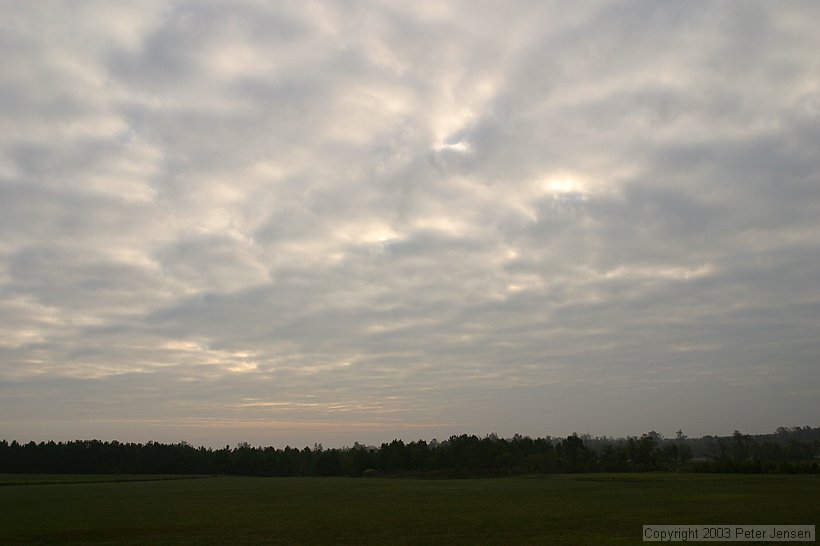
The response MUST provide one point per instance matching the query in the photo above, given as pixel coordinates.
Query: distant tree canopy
(793, 449)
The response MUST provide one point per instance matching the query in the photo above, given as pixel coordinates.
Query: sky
(305, 222)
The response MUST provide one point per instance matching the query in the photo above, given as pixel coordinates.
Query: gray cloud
(298, 222)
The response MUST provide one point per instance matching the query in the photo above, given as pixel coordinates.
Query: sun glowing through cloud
(565, 183)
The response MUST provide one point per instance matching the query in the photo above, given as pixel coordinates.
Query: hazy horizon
(341, 441)
(312, 222)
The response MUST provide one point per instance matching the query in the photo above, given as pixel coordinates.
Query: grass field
(40, 479)
(565, 509)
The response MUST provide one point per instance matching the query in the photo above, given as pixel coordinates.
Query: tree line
(787, 450)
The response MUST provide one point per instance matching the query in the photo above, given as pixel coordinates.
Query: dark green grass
(573, 509)
(34, 479)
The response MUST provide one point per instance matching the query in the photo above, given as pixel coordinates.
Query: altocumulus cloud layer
(321, 221)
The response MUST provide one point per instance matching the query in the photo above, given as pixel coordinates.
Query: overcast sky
(299, 222)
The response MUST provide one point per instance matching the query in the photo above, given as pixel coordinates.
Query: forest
(787, 450)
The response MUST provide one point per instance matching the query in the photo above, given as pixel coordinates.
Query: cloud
(406, 220)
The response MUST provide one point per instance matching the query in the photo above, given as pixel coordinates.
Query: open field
(41, 479)
(555, 509)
